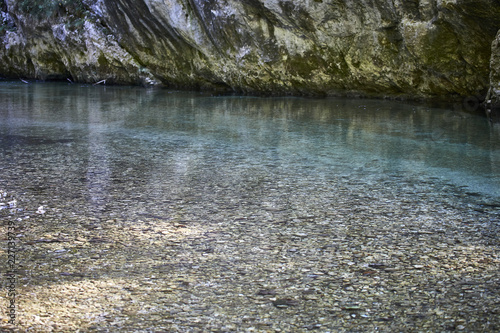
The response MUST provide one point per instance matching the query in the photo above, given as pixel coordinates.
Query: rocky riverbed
(337, 255)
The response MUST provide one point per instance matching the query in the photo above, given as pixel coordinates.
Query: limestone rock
(493, 97)
(412, 48)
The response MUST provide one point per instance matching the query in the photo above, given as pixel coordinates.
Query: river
(149, 210)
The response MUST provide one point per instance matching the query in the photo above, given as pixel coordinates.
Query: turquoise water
(125, 151)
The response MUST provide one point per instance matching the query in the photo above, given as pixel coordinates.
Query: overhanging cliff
(418, 48)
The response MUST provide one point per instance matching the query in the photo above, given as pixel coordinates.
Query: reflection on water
(123, 150)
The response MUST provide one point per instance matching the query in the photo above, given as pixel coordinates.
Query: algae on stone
(385, 48)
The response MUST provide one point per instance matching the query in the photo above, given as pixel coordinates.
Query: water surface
(153, 210)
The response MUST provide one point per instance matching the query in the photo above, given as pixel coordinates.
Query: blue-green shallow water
(92, 140)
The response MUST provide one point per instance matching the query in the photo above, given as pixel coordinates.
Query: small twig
(24, 81)
(69, 80)
(102, 81)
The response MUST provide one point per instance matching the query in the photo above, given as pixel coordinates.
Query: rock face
(418, 48)
(493, 97)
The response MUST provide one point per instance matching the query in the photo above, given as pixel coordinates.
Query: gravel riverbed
(392, 254)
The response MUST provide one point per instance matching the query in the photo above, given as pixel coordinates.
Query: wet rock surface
(381, 48)
(493, 97)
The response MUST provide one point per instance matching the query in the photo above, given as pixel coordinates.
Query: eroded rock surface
(386, 48)
(493, 97)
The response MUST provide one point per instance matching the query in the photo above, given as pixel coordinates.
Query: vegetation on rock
(48, 8)
(385, 48)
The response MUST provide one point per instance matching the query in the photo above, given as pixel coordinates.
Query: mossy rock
(46, 9)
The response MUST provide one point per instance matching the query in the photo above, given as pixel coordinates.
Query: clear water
(152, 210)
(123, 151)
